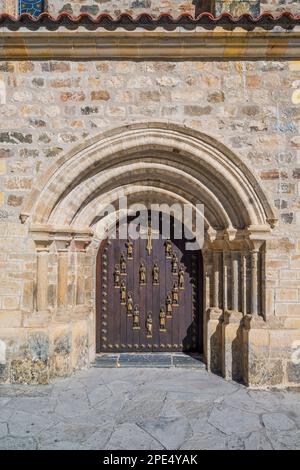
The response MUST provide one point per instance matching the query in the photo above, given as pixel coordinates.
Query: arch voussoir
(215, 167)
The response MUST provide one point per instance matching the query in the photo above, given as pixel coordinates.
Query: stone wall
(48, 107)
(132, 7)
(278, 6)
(174, 7)
(155, 7)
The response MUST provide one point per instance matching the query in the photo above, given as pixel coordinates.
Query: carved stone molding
(150, 45)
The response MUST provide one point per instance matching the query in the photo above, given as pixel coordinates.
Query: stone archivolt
(157, 162)
(144, 154)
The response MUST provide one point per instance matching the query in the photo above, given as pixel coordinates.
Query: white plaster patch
(2, 352)
(2, 91)
(296, 96)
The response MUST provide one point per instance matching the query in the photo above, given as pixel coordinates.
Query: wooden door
(149, 296)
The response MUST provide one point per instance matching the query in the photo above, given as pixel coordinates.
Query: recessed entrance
(149, 293)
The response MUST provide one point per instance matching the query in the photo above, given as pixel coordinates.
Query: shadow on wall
(237, 356)
(216, 350)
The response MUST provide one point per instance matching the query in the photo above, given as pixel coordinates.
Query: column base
(232, 346)
(214, 319)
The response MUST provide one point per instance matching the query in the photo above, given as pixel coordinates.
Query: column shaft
(216, 279)
(62, 288)
(244, 283)
(79, 278)
(42, 281)
(254, 282)
(225, 281)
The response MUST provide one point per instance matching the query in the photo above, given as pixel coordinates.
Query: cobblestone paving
(138, 408)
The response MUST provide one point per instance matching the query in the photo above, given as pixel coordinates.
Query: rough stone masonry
(56, 113)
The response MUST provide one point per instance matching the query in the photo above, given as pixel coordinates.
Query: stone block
(294, 309)
(281, 343)
(295, 262)
(100, 95)
(28, 294)
(56, 66)
(292, 322)
(27, 371)
(213, 335)
(264, 372)
(2, 167)
(10, 287)
(232, 346)
(238, 7)
(38, 345)
(80, 341)
(11, 302)
(286, 295)
(289, 274)
(293, 373)
(2, 353)
(72, 96)
(14, 200)
(281, 310)
(294, 65)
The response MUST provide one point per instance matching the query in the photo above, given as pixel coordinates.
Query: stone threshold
(151, 360)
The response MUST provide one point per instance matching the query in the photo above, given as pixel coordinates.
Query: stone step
(159, 360)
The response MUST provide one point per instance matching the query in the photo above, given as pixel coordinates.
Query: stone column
(207, 274)
(244, 282)
(213, 314)
(216, 279)
(256, 245)
(231, 326)
(225, 280)
(62, 246)
(235, 280)
(232, 347)
(80, 248)
(42, 247)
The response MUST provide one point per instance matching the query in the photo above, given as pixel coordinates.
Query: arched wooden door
(149, 295)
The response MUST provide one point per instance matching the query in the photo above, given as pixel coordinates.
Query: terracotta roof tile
(285, 19)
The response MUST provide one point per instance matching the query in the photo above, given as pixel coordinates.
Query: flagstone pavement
(151, 409)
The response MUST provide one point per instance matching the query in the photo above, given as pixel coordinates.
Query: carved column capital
(255, 245)
(62, 243)
(42, 244)
(81, 244)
